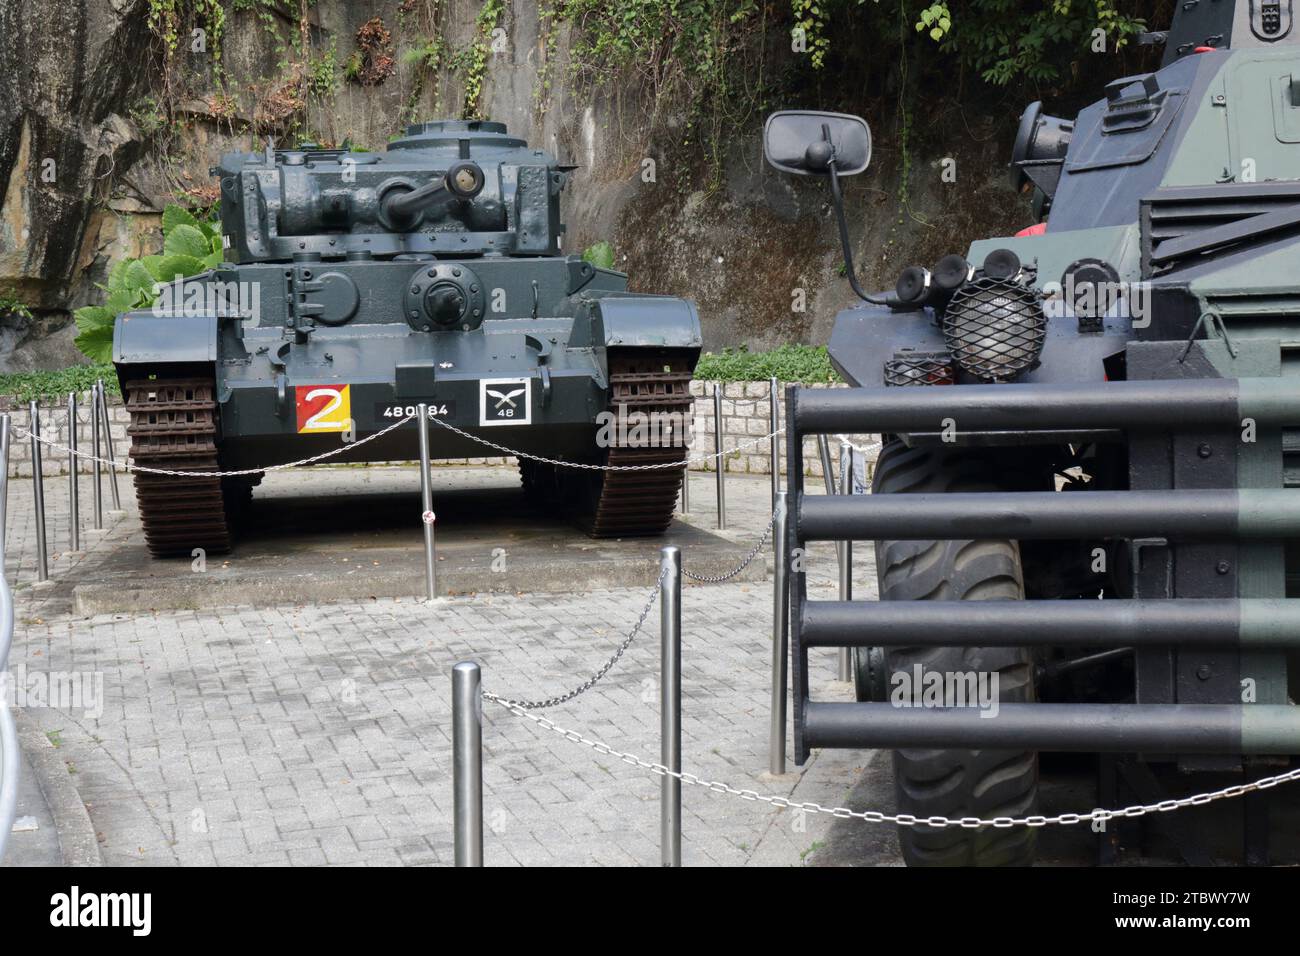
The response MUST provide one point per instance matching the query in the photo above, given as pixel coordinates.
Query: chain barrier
(176, 473)
(741, 401)
(860, 449)
(636, 629)
(900, 819)
(592, 467)
(753, 553)
(589, 683)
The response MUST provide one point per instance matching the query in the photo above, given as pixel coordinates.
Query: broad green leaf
(186, 240)
(123, 300)
(214, 260)
(600, 254)
(96, 343)
(174, 216)
(139, 279)
(167, 268)
(93, 317)
(117, 275)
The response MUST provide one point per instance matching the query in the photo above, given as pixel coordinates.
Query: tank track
(616, 504)
(174, 426)
(642, 502)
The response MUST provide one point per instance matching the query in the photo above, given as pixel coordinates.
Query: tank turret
(451, 188)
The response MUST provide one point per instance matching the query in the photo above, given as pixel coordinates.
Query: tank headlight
(994, 328)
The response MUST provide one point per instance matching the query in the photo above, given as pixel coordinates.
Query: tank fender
(646, 321)
(142, 337)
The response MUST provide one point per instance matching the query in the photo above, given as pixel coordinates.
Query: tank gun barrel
(464, 180)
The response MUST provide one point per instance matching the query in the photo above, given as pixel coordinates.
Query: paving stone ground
(316, 735)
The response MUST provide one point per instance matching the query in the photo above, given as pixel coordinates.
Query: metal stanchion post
(426, 504)
(686, 488)
(717, 461)
(828, 471)
(4, 479)
(74, 498)
(97, 487)
(670, 706)
(467, 762)
(780, 636)
(38, 493)
(10, 760)
(774, 414)
(108, 446)
(846, 555)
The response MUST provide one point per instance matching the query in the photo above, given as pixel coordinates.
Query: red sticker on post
(323, 408)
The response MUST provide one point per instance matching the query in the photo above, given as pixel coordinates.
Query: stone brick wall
(746, 411)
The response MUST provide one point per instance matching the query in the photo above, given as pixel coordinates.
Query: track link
(614, 504)
(174, 426)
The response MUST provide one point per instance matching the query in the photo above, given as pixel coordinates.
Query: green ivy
(168, 19)
(809, 30)
(474, 60)
(322, 72)
(1009, 40)
(190, 246)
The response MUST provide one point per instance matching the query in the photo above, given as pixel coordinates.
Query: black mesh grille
(919, 368)
(994, 328)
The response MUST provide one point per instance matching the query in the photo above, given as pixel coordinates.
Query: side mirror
(807, 142)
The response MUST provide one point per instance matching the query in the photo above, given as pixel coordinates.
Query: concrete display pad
(331, 534)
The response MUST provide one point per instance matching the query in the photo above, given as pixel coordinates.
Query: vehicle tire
(958, 783)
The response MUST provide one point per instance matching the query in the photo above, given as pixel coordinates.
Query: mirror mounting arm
(837, 197)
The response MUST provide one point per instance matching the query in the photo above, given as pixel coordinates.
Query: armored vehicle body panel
(1103, 406)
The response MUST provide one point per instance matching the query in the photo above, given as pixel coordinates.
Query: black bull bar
(1150, 407)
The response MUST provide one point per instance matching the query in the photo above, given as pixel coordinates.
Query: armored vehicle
(1086, 512)
(359, 285)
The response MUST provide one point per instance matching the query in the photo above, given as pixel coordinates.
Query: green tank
(358, 285)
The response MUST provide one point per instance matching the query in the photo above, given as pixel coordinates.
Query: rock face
(64, 142)
(88, 158)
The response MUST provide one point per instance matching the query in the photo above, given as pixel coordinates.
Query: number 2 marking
(315, 420)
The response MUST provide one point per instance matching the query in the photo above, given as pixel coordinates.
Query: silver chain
(753, 552)
(900, 819)
(23, 433)
(636, 629)
(127, 466)
(589, 683)
(741, 401)
(590, 467)
(860, 449)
